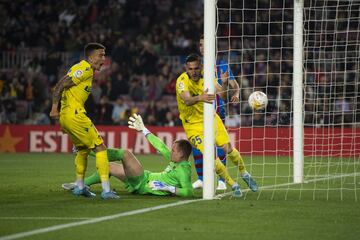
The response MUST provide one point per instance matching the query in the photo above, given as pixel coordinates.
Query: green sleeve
(184, 177)
(159, 145)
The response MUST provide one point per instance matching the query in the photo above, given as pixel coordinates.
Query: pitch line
(290, 184)
(45, 218)
(145, 210)
(95, 220)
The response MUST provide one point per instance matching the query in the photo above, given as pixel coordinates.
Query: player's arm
(191, 100)
(234, 87)
(63, 83)
(185, 189)
(135, 122)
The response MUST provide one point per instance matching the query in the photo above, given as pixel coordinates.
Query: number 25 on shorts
(196, 140)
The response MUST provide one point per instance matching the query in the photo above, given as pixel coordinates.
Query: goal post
(298, 125)
(209, 76)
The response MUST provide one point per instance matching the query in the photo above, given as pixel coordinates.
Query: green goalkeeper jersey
(175, 174)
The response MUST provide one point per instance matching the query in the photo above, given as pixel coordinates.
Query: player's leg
(196, 138)
(132, 166)
(221, 112)
(75, 131)
(102, 165)
(234, 156)
(222, 156)
(198, 162)
(223, 141)
(114, 154)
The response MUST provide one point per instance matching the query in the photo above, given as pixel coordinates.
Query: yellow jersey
(193, 113)
(74, 97)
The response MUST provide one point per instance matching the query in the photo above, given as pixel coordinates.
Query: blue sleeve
(223, 66)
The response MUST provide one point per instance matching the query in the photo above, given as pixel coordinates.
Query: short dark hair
(201, 36)
(192, 58)
(90, 47)
(185, 147)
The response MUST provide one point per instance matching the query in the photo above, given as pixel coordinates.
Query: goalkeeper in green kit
(174, 180)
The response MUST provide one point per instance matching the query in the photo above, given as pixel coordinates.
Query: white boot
(197, 184)
(221, 185)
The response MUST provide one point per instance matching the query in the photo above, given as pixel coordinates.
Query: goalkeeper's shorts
(140, 185)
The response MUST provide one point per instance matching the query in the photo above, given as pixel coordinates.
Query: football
(258, 101)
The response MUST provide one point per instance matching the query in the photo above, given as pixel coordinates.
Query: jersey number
(196, 140)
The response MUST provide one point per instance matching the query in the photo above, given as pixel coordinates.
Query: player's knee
(227, 148)
(100, 148)
(83, 153)
(127, 154)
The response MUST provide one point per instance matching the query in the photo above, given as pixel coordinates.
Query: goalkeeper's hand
(160, 186)
(136, 122)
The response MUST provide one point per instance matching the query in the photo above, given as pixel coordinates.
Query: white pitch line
(145, 210)
(95, 220)
(290, 184)
(45, 218)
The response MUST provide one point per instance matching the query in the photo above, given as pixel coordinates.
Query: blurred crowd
(147, 42)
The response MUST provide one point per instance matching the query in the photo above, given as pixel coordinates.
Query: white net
(256, 40)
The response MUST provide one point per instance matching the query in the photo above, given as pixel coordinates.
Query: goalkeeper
(174, 180)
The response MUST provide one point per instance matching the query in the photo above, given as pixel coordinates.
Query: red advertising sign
(258, 141)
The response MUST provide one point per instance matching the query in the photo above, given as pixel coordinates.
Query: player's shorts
(195, 133)
(140, 184)
(80, 128)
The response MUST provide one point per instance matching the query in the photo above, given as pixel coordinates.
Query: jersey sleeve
(182, 84)
(159, 145)
(223, 66)
(184, 178)
(79, 73)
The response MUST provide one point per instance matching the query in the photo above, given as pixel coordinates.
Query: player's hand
(160, 186)
(207, 97)
(224, 77)
(234, 99)
(136, 122)
(54, 113)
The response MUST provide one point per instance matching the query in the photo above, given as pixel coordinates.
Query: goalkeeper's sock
(93, 179)
(198, 161)
(222, 156)
(80, 166)
(236, 158)
(221, 170)
(114, 154)
(102, 164)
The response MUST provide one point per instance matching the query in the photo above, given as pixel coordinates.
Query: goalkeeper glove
(160, 186)
(136, 122)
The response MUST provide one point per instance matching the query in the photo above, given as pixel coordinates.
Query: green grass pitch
(31, 198)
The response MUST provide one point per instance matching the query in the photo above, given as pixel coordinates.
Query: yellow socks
(102, 165)
(81, 163)
(236, 158)
(221, 170)
(80, 167)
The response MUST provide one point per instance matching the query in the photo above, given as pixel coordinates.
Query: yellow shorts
(80, 129)
(195, 133)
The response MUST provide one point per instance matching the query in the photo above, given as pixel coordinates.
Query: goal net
(256, 39)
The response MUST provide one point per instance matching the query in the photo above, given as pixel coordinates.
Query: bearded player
(191, 97)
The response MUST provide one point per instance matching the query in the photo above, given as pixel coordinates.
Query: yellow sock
(236, 158)
(102, 164)
(81, 163)
(221, 170)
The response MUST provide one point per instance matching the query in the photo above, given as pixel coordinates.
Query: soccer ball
(258, 100)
